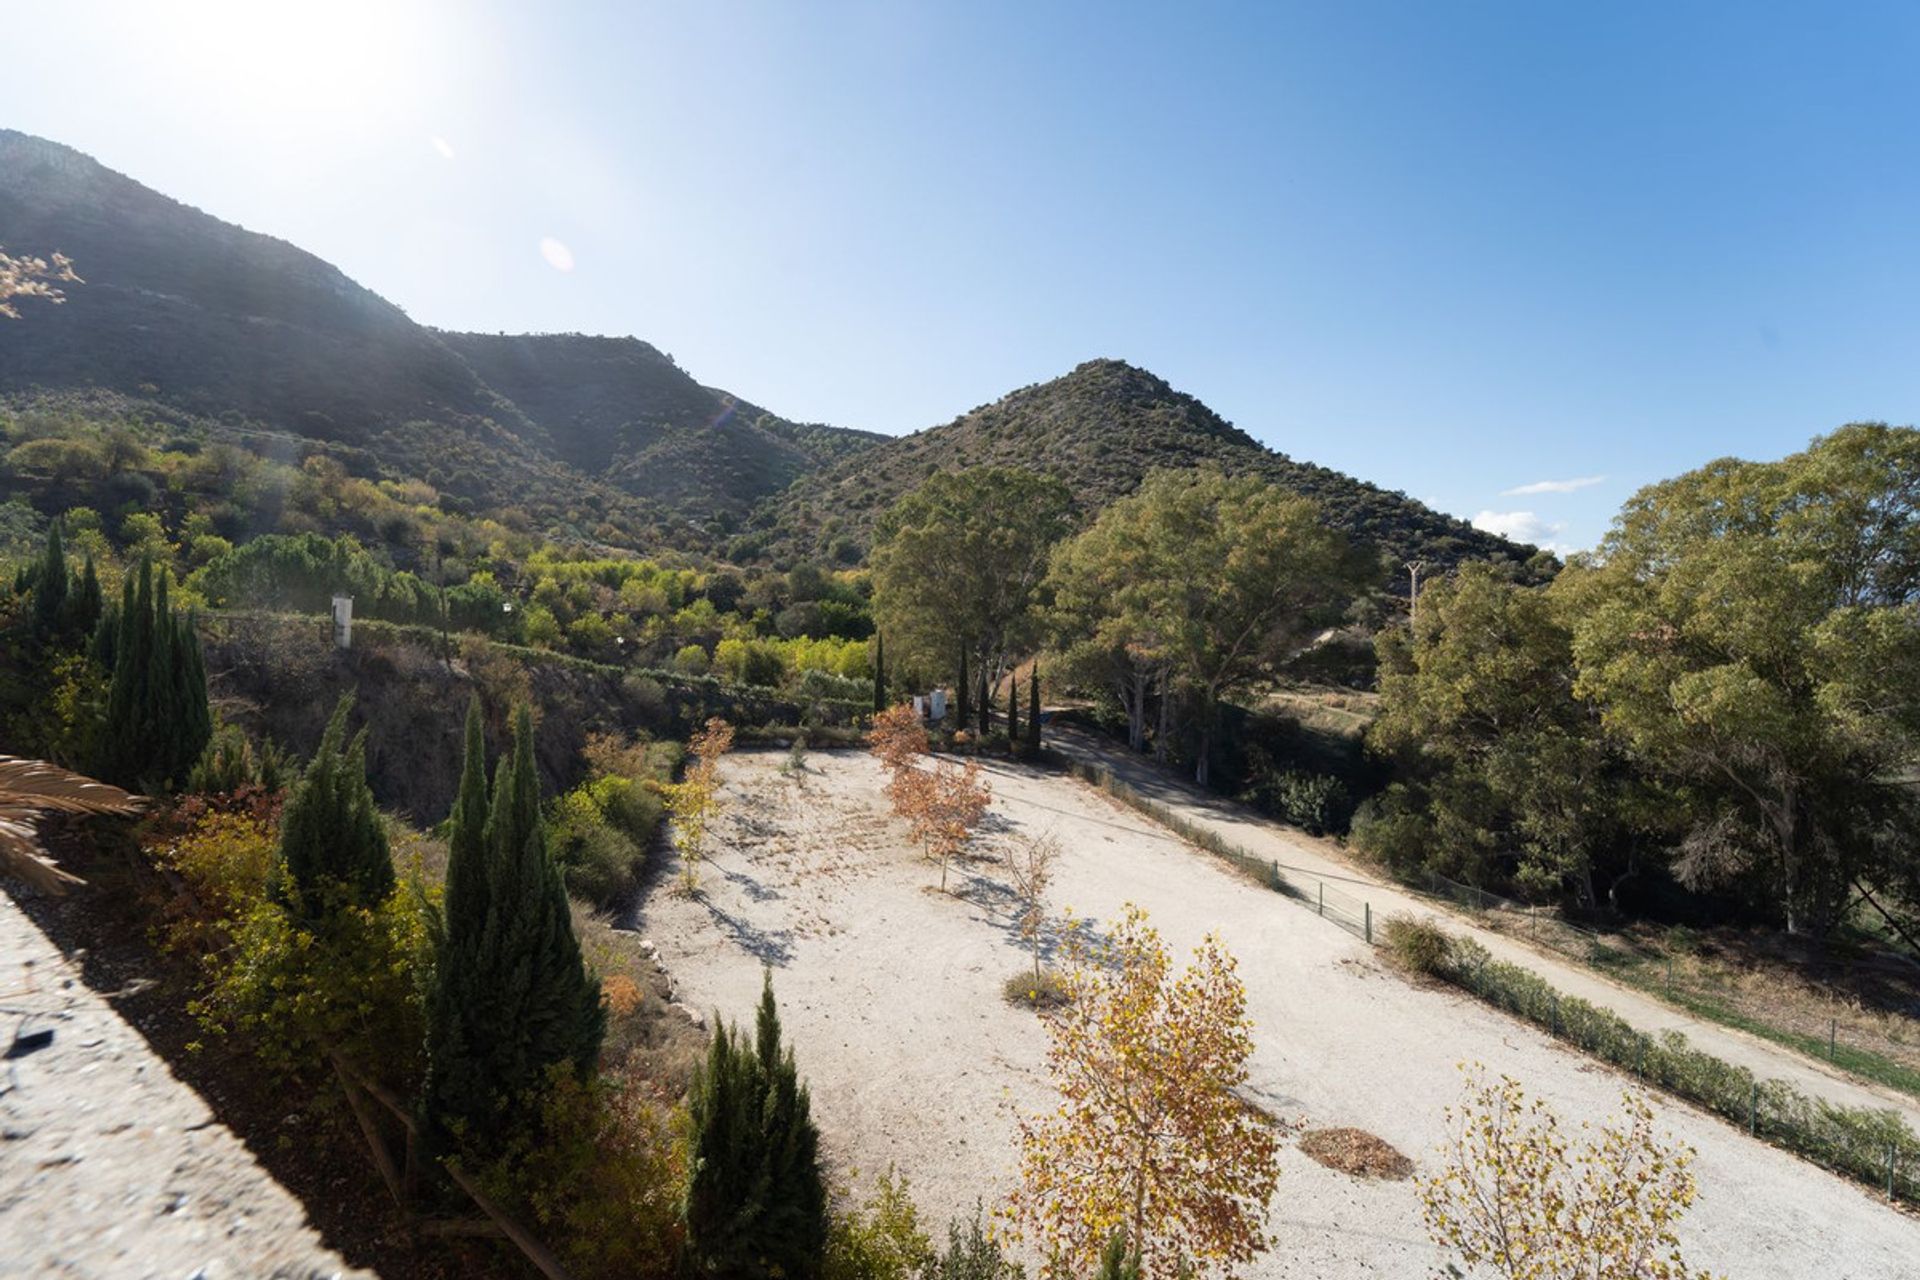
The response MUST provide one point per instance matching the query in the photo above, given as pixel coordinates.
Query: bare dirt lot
(890, 992)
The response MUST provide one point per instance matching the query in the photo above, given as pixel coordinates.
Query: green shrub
(1415, 946)
(880, 1240)
(597, 1175)
(1318, 803)
(971, 1254)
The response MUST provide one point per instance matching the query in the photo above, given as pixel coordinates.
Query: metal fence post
(1368, 907)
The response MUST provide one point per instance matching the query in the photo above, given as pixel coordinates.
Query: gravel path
(109, 1165)
(1307, 858)
(890, 992)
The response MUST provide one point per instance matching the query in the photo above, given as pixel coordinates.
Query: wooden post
(382, 1158)
(536, 1252)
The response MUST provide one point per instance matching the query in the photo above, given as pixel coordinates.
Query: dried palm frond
(29, 788)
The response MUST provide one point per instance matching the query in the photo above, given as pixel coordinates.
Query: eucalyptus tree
(1199, 582)
(1753, 631)
(957, 567)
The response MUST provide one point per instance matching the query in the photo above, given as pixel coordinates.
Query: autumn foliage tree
(944, 802)
(694, 801)
(1516, 1196)
(1030, 866)
(1149, 1138)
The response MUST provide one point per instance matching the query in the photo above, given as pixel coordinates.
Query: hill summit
(1102, 429)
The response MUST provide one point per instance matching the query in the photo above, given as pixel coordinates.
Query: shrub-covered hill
(1102, 428)
(185, 317)
(621, 410)
(201, 317)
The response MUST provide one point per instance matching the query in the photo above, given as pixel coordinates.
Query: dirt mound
(1357, 1152)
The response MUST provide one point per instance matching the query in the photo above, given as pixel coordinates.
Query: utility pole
(1413, 588)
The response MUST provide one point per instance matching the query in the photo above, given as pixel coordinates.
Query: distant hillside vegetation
(1102, 429)
(622, 410)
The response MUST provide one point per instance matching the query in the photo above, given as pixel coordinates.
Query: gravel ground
(109, 1165)
(890, 991)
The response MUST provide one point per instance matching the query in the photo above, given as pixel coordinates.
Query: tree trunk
(986, 702)
(961, 692)
(1160, 735)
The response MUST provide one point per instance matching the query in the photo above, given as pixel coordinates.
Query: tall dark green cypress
(333, 846)
(457, 1006)
(962, 691)
(157, 720)
(1033, 709)
(83, 606)
(756, 1203)
(51, 583)
(879, 672)
(986, 704)
(513, 997)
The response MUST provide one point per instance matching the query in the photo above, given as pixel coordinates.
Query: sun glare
(294, 65)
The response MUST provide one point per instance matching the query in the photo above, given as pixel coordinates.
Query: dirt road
(890, 991)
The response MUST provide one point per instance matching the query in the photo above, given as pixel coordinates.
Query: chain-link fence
(1875, 1147)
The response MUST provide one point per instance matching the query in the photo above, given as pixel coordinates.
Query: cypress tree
(51, 582)
(879, 672)
(83, 605)
(513, 997)
(1033, 709)
(962, 691)
(1013, 711)
(986, 704)
(333, 847)
(157, 722)
(457, 1010)
(756, 1202)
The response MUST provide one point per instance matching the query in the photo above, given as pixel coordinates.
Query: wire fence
(1871, 1146)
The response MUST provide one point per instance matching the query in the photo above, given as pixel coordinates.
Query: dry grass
(1355, 1152)
(646, 1036)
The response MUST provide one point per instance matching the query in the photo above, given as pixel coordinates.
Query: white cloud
(1519, 526)
(1554, 486)
(558, 256)
(441, 145)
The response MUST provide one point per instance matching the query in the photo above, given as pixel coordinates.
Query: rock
(691, 1014)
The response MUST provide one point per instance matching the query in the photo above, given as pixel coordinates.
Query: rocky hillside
(1102, 428)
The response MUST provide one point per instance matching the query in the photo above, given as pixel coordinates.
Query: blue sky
(1465, 250)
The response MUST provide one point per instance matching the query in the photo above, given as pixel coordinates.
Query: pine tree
(158, 722)
(513, 997)
(333, 846)
(756, 1203)
(1033, 709)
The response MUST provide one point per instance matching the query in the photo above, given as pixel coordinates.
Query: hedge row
(1873, 1146)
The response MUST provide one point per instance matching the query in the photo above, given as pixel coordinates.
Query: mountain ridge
(1103, 427)
(604, 438)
